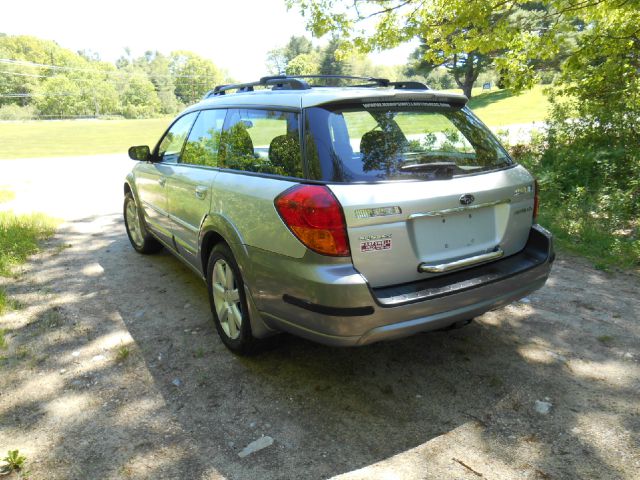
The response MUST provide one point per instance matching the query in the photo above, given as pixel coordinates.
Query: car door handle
(162, 181)
(201, 191)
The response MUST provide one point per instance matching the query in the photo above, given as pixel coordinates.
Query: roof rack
(298, 82)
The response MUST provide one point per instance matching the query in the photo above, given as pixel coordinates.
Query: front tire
(228, 302)
(140, 238)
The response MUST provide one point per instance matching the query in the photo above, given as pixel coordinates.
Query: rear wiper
(447, 167)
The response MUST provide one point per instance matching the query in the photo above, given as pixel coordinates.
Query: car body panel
(189, 202)
(427, 223)
(150, 181)
(246, 201)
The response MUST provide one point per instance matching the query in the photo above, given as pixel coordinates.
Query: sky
(235, 34)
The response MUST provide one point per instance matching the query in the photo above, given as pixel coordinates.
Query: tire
(228, 302)
(141, 240)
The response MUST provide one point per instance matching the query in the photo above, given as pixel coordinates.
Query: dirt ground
(113, 369)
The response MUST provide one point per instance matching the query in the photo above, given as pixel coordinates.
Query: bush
(16, 112)
(589, 181)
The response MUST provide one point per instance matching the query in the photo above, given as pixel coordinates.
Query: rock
(543, 407)
(525, 300)
(98, 358)
(557, 356)
(177, 382)
(187, 305)
(252, 425)
(628, 355)
(256, 445)
(75, 354)
(231, 444)
(140, 314)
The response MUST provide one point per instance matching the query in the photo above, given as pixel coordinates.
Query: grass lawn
(501, 107)
(56, 138)
(88, 137)
(19, 238)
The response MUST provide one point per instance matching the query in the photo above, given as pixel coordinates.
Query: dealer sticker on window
(375, 245)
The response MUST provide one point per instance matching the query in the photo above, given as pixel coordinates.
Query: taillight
(536, 200)
(314, 215)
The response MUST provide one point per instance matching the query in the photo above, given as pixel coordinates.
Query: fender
(222, 229)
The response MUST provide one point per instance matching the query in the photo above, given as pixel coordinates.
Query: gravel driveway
(113, 370)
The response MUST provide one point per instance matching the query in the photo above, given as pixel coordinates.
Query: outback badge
(467, 199)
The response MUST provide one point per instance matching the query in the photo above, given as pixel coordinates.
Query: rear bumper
(332, 304)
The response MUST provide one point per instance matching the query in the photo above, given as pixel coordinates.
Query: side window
(172, 143)
(263, 141)
(204, 139)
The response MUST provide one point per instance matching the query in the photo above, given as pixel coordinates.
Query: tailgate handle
(463, 262)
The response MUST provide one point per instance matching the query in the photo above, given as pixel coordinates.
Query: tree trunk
(466, 76)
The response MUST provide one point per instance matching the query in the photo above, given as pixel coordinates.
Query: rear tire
(228, 302)
(140, 238)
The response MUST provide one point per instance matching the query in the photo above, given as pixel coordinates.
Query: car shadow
(178, 404)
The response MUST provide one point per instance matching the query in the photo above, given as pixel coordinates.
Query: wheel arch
(216, 229)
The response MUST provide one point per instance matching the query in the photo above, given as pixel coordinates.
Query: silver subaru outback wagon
(345, 215)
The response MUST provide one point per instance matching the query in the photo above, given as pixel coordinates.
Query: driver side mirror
(140, 153)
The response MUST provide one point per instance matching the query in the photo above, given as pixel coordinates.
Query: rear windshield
(378, 142)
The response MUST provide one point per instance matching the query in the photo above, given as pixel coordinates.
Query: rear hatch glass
(374, 141)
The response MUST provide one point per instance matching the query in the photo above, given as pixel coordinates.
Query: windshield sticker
(405, 104)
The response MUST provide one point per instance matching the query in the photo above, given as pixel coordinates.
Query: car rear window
(396, 141)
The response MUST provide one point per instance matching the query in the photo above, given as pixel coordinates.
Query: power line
(23, 74)
(24, 63)
(111, 81)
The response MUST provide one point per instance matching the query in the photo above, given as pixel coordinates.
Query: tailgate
(402, 232)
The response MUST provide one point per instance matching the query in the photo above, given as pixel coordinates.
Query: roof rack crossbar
(383, 82)
(277, 82)
(298, 82)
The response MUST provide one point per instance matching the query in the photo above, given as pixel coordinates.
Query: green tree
(278, 59)
(59, 96)
(465, 35)
(157, 68)
(303, 64)
(193, 76)
(139, 99)
(22, 79)
(332, 63)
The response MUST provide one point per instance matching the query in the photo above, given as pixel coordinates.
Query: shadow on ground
(114, 370)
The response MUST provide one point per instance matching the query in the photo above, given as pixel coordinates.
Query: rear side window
(173, 141)
(380, 142)
(204, 140)
(262, 141)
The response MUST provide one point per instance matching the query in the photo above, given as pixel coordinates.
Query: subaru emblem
(467, 199)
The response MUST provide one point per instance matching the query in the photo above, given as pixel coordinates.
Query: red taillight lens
(314, 215)
(536, 200)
